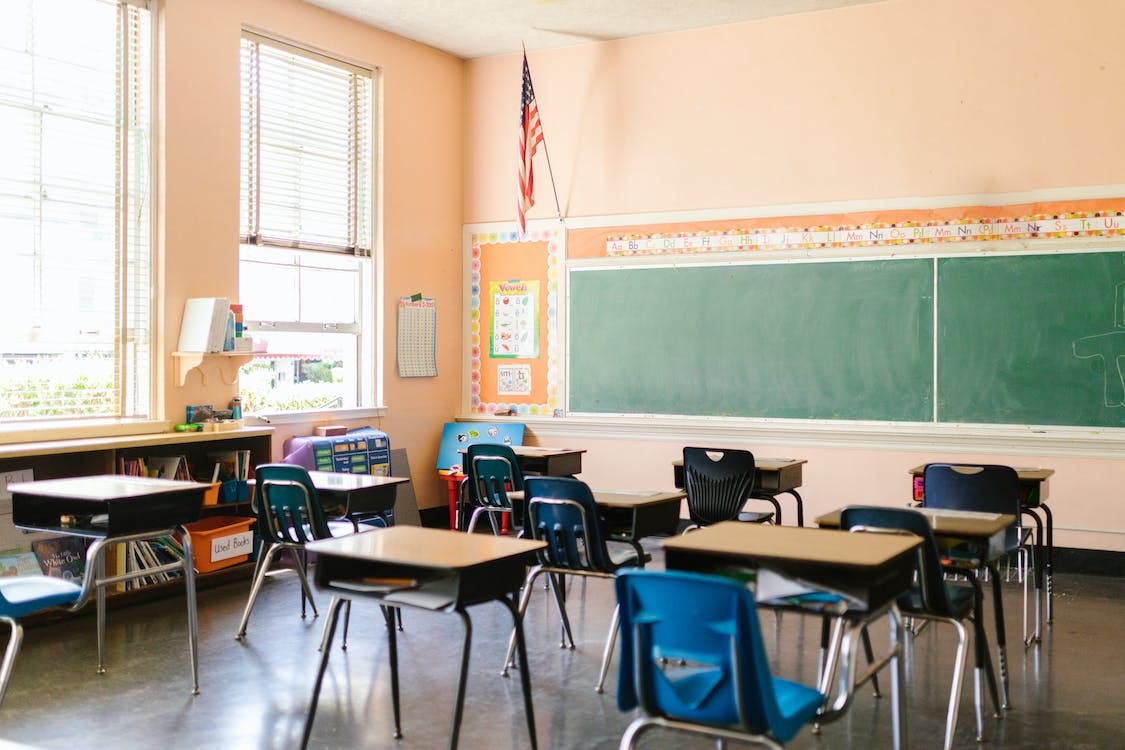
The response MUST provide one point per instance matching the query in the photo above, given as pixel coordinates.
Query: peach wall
(421, 207)
(887, 101)
(893, 99)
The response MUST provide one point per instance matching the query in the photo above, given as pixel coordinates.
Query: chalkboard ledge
(1004, 439)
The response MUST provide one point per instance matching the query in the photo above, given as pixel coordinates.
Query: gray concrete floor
(1067, 692)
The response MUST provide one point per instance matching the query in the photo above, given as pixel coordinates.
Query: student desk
(772, 477)
(870, 572)
(431, 569)
(356, 497)
(548, 462)
(629, 516)
(979, 537)
(1034, 487)
(111, 510)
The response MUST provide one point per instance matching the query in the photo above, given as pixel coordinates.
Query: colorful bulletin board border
(1086, 218)
(484, 397)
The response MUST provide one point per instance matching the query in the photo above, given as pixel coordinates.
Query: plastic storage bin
(221, 541)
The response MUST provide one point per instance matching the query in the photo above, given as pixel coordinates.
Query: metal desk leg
(1001, 639)
(1038, 572)
(898, 680)
(193, 623)
(525, 671)
(329, 632)
(459, 704)
(1050, 524)
(99, 567)
(392, 652)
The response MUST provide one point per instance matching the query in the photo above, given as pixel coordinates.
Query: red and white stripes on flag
(531, 135)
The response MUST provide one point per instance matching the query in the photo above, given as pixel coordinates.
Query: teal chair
(493, 480)
(289, 516)
(24, 595)
(692, 660)
(561, 512)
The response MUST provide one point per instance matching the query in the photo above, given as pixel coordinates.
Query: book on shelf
(62, 557)
(19, 562)
(169, 467)
(234, 464)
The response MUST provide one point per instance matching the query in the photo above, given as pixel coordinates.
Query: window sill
(78, 428)
(300, 417)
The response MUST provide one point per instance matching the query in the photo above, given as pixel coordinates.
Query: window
(307, 229)
(75, 200)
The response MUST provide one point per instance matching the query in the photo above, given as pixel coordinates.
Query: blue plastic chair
(718, 482)
(934, 598)
(692, 659)
(289, 516)
(24, 595)
(561, 511)
(493, 476)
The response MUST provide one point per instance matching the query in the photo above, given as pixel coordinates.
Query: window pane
(300, 371)
(77, 309)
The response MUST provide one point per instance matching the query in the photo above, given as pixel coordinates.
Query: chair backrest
(691, 650)
(287, 505)
(561, 512)
(717, 482)
(935, 596)
(988, 488)
(492, 471)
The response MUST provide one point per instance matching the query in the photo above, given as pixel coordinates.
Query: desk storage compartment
(221, 541)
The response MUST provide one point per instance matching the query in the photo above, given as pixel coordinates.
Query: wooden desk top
(344, 482)
(766, 464)
(635, 499)
(956, 523)
(1026, 473)
(425, 547)
(793, 543)
(103, 487)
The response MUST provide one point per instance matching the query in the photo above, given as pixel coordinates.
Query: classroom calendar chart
(417, 337)
(515, 319)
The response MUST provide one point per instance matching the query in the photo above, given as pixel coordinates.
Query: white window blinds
(307, 154)
(75, 194)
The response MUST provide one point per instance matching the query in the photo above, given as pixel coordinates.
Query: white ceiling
(479, 28)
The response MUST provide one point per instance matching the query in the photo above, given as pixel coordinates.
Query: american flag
(531, 135)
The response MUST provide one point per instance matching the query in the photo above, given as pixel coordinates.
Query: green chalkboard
(1032, 339)
(826, 340)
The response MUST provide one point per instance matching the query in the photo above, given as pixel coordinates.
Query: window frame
(369, 315)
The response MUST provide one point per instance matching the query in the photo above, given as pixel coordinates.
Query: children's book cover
(63, 557)
(19, 562)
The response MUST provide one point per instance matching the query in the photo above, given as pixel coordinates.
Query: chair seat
(621, 556)
(27, 594)
(961, 601)
(755, 516)
(797, 704)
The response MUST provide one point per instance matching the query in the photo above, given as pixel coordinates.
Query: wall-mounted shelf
(227, 362)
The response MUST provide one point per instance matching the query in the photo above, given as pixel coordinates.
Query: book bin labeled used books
(221, 541)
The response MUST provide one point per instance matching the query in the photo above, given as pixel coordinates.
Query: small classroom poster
(515, 319)
(513, 380)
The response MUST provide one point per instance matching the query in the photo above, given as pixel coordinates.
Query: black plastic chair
(561, 512)
(692, 660)
(935, 598)
(717, 482)
(492, 480)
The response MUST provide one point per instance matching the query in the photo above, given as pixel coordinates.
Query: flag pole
(546, 153)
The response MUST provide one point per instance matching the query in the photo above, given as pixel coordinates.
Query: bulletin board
(514, 368)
